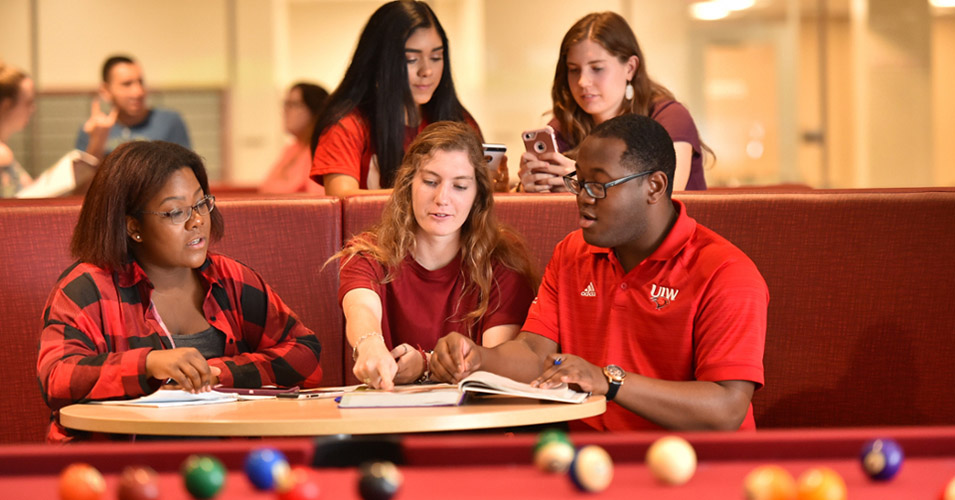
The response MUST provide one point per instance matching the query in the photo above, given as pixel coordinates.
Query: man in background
(129, 118)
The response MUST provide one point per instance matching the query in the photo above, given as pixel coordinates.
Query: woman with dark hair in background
(147, 304)
(398, 82)
(602, 73)
(290, 172)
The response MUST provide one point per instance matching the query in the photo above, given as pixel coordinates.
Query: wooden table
(314, 417)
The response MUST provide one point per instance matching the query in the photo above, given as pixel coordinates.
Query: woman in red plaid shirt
(147, 304)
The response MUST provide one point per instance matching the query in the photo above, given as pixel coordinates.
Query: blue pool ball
(881, 459)
(266, 468)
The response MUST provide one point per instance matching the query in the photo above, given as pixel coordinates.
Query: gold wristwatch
(615, 376)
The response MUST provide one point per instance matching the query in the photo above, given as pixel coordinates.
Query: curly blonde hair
(484, 240)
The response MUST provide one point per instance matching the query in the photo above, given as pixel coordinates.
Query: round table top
(314, 417)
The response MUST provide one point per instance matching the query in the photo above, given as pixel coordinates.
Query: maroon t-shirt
(420, 306)
(677, 121)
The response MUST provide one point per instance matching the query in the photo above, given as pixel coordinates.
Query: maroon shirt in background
(677, 121)
(420, 306)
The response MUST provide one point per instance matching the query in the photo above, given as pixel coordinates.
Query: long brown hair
(612, 32)
(484, 240)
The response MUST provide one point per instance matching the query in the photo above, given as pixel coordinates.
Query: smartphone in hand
(540, 141)
(493, 153)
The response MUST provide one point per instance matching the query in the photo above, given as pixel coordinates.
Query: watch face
(615, 372)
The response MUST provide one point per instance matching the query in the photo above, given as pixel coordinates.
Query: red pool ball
(138, 483)
(81, 481)
(881, 459)
(300, 484)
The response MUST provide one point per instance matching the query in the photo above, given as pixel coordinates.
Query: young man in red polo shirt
(642, 304)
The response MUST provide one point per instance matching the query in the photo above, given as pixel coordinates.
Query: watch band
(614, 386)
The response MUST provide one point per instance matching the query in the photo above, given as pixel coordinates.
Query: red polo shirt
(693, 310)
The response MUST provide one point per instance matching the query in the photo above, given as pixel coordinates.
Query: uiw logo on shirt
(661, 296)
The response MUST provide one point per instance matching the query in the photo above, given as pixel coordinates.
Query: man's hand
(574, 371)
(185, 366)
(97, 128)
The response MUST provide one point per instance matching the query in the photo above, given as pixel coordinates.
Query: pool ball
(821, 483)
(672, 460)
(265, 468)
(881, 459)
(81, 481)
(554, 457)
(769, 482)
(378, 481)
(204, 476)
(301, 483)
(138, 483)
(551, 435)
(592, 469)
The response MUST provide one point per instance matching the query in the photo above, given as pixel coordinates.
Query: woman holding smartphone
(601, 73)
(437, 262)
(398, 82)
(147, 304)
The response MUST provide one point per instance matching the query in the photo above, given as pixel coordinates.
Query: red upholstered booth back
(35, 251)
(861, 322)
(861, 319)
(288, 241)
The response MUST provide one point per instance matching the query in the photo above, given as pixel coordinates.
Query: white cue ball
(671, 460)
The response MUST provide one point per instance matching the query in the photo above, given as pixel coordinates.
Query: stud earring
(138, 237)
(628, 92)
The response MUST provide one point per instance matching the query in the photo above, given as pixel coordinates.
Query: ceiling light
(709, 11)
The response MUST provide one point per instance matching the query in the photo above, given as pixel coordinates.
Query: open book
(452, 395)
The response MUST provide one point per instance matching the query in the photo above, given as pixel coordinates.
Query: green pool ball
(550, 435)
(204, 476)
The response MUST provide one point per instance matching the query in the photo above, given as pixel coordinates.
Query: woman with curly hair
(437, 262)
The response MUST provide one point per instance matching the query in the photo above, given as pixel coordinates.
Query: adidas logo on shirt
(590, 291)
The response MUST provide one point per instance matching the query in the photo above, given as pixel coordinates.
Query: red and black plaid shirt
(100, 325)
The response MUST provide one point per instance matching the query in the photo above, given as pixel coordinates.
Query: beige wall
(15, 33)
(943, 100)
(180, 42)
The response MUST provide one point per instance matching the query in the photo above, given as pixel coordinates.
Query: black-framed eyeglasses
(597, 190)
(205, 206)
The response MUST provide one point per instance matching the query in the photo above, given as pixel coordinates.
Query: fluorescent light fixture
(709, 11)
(740, 4)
